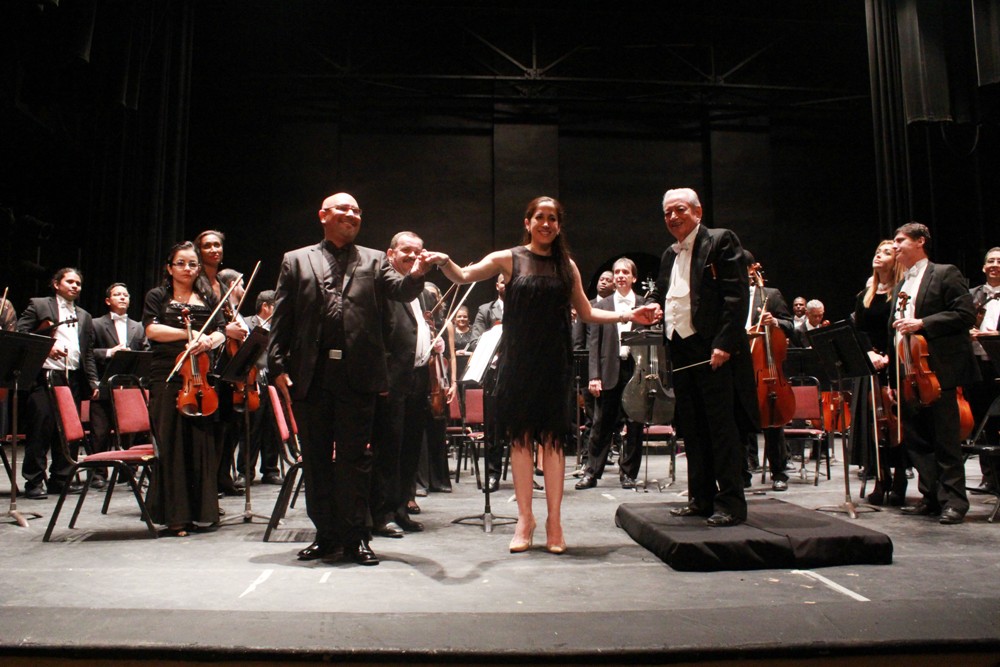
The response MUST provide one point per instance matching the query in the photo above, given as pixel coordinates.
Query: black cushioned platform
(776, 535)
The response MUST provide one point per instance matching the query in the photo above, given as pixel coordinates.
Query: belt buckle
(335, 354)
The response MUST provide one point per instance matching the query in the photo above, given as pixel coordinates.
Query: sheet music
(481, 358)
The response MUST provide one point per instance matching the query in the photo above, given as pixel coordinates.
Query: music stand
(21, 355)
(125, 362)
(475, 373)
(843, 356)
(237, 371)
(652, 339)
(581, 358)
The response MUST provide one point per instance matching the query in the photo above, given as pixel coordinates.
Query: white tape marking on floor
(832, 584)
(261, 579)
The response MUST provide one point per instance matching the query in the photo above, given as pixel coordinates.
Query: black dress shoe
(240, 482)
(56, 487)
(493, 483)
(628, 482)
(362, 554)
(722, 519)
(35, 492)
(230, 490)
(315, 551)
(388, 529)
(98, 482)
(408, 524)
(439, 489)
(412, 507)
(895, 499)
(920, 509)
(951, 516)
(588, 481)
(271, 478)
(779, 485)
(688, 510)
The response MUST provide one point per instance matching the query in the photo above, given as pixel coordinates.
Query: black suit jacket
(945, 305)
(979, 298)
(46, 308)
(720, 299)
(604, 347)
(106, 337)
(299, 301)
(488, 314)
(401, 341)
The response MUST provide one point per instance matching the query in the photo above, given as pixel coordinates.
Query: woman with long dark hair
(183, 491)
(534, 369)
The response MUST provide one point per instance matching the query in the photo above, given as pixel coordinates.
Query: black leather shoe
(388, 529)
(920, 509)
(440, 489)
(722, 519)
(408, 524)
(951, 516)
(412, 507)
(628, 482)
(493, 483)
(35, 492)
(314, 552)
(588, 481)
(272, 478)
(98, 482)
(779, 485)
(240, 483)
(55, 488)
(362, 554)
(230, 491)
(688, 510)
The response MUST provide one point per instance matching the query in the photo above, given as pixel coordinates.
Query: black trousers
(931, 437)
(336, 421)
(263, 440)
(606, 421)
(706, 420)
(40, 432)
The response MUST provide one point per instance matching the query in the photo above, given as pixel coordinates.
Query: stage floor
(454, 594)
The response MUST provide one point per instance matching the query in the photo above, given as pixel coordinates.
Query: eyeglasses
(190, 265)
(344, 208)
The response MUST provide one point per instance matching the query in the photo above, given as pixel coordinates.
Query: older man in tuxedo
(704, 291)
(326, 354)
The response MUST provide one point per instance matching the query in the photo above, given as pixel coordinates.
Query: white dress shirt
(677, 305)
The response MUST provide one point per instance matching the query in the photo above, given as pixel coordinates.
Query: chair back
(474, 413)
(130, 410)
(279, 414)
(808, 403)
(455, 410)
(68, 423)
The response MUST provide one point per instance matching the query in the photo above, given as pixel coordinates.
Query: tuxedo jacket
(368, 282)
(400, 326)
(106, 337)
(945, 306)
(978, 298)
(46, 308)
(772, 299)
(604, 346)
(720, 300)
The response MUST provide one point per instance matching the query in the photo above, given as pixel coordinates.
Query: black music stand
(843, 356)
(581, 358)
(237, 371)
(653, 339)
(475, 372)
(21, 355)
(125, 362)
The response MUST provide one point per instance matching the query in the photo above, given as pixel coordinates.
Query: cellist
(932, 307)
(767, 309)
(183, 492)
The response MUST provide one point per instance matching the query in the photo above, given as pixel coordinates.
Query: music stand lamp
(238, 371)
(475, 371)
(843, 356)
(21, 355)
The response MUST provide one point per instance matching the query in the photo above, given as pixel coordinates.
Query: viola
(195, 398)
(775, 397)
(919, 384)
(646, 398)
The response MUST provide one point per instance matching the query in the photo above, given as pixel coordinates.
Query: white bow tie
(681, 246)
(119, 318)
(912, 272)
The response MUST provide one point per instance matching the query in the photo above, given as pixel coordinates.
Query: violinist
(986, 299)
(611, 367)
(767, 309)
(404, 415)
(230, 395)
(931, 324)
(871, 318)
(70, 362)
(183, 493)
(814, 319)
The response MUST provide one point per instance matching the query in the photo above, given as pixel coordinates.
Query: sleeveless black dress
(534, 371)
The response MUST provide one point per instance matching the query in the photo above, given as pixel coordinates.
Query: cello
(775, 397)
(645, 398)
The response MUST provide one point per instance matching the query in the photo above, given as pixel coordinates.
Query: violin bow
(215, 311)
(3, 302)
(246, 288)
(451, 316)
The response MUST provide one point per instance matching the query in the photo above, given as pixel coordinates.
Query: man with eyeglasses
(70, 362)
(327, 354)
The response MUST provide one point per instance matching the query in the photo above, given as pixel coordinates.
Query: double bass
(775, 397)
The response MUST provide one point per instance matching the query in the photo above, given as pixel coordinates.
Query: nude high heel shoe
(518, 546)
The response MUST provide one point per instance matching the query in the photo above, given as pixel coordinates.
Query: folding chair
(473, 423)
(807, 423)
(70, 429)
(130, 417)
(291, 451)
(977, 445)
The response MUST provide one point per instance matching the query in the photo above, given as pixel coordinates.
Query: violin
(919, 384)
(646, 398)
(966, 422)
(775, 397)
(195, 398)
(248, 388)
(439, 384)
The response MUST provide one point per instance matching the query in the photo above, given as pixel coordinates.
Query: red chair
(807, 423)
(291, 451)
(70, 430)
(473, 423)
